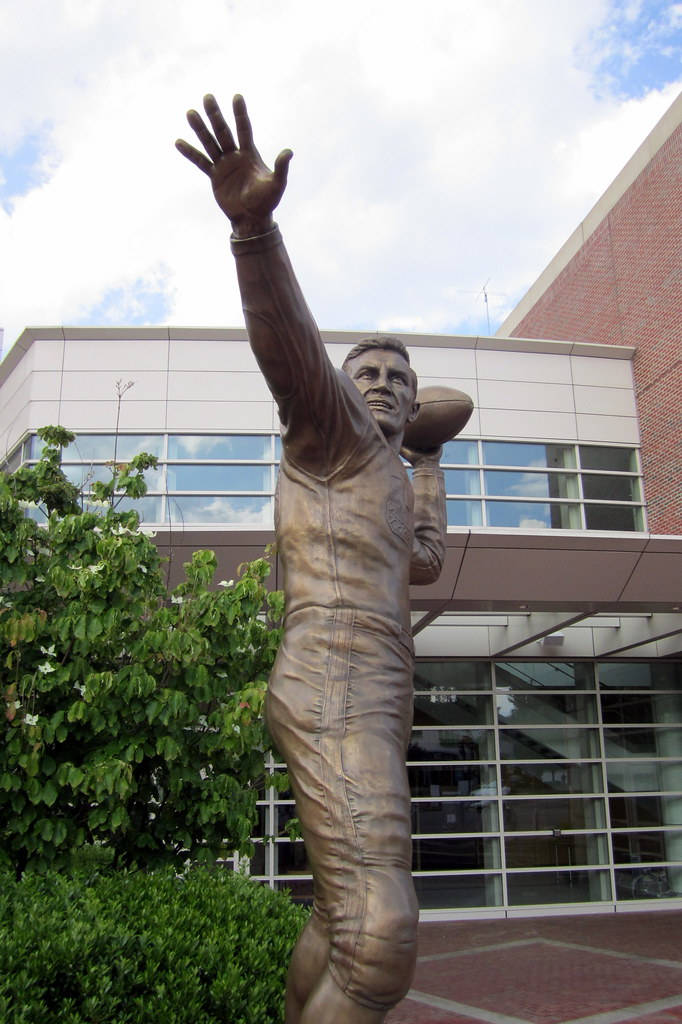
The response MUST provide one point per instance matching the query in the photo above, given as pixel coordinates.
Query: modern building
(546, 754)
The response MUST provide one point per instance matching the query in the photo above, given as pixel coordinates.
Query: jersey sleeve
(430, 524)
(321, 412)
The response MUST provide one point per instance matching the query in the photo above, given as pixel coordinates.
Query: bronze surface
(352, 533)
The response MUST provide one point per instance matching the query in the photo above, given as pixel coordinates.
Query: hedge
(136, 948)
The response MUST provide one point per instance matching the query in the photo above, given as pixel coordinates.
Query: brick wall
(624, 287)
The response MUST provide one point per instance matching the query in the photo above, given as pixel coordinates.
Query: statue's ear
(413, 412)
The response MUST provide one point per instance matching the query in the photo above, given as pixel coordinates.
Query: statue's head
(380, 369)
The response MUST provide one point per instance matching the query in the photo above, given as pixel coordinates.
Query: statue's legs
(339, 709)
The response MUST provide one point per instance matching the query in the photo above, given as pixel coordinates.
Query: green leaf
(50, 793)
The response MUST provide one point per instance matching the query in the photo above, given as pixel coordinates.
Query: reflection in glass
(615, 460)
(101, 447)
(632, 742)
(530, 485)
(451, 745)
(451, 675)
(641, 707)
(613, 517)
(455, 854)
(555, 851)
(437, 708)
(464, 513)
(290, 858)
(644, 883)
(558, 887)
(548, 744)
(148, 508)
(643, 776)
(212, 509)
(476, 781)
(300, 888)
(513, 453)
(611, 488)
(564, 813)
(206, 477)
(458, 891)
(438, 816)
(459, 453)
(548, 709)
(82, 476)
(257, 864)
(250, 448)
(462, 481)
(528, 779)
(536, 515)
(640, 811)
(642, 847)
(643, 675)
(546, 675)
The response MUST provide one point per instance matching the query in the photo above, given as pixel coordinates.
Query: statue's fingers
(218, 123)
(197, 125)
(201, 161)
(281, 169)
(243, 123)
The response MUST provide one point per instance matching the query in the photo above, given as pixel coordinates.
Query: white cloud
(435, 150)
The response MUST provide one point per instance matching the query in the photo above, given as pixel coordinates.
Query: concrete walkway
(591, 969)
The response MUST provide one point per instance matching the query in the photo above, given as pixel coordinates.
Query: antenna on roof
(485, 299)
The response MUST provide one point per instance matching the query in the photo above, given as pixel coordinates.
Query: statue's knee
(385, 960)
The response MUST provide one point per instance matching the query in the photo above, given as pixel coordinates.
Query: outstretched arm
(245, 189)
(313, 408)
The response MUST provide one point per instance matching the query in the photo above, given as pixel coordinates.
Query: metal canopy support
(427, 619)
(524, 629)
(634, 633)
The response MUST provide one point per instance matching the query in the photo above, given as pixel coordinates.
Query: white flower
(49, 651)
(46, 667)
(177, 599)
(31, 719)
(226, 583)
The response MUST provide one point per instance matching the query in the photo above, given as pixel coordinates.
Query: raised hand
(246, 190)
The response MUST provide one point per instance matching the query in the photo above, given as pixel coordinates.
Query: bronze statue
(352, 533)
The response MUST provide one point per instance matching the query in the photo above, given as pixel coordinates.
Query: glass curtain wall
(229, 479)
(542, 784)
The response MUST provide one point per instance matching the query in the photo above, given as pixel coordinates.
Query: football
(443, 412)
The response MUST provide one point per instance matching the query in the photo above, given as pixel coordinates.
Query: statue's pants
(339, 708)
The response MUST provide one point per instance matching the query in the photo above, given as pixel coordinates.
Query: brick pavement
(591, 969)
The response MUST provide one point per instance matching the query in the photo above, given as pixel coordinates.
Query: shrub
(130, 715)
(143, 948)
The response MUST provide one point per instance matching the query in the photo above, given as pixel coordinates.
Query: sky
(443, 151)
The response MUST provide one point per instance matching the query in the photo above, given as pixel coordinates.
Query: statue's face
(386, 382)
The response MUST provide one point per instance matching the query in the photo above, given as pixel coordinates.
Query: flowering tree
(129, 716)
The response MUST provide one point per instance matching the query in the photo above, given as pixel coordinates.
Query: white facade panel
(527, 396)
(211, 355)
(537, 367)
(612, 373)
(442, 363)
(100, 386)
(122, 358)
(101, 415)
(608, 429)
(605, 401)
(45, 355)
(506, 423)
(219, 386)
(217, 416)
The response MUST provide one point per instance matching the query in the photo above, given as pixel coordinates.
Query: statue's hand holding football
(246, 190)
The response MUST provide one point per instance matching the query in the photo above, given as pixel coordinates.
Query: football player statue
(352, 533)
